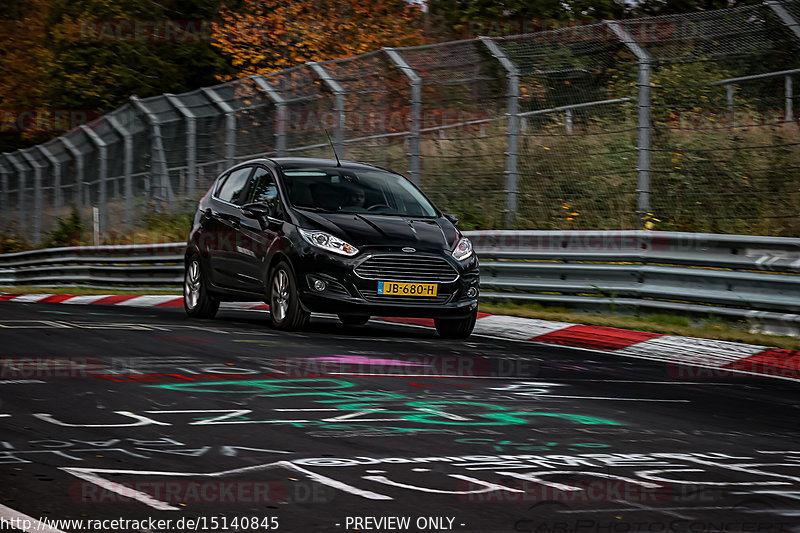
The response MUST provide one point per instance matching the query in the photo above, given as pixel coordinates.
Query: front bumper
(348, 293)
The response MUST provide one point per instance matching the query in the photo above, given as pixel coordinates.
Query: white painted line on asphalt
(614, 399)
(88, 474)
(124, 491)
(17, 520)
(432, 376)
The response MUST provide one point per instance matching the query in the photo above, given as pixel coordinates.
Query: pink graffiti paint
(362, 360)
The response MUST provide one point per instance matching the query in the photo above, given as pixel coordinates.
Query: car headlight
(328, 242)
(463, 249)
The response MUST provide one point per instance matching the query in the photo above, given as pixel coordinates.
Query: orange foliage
(264, 36)
(23, 57)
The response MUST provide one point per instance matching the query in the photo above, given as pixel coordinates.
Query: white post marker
(23, 522)
(96, 225)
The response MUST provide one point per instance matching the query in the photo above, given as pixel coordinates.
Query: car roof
(305, 162)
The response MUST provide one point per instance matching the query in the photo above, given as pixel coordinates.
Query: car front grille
(407, 268)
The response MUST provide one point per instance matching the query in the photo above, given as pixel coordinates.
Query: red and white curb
(719, 358)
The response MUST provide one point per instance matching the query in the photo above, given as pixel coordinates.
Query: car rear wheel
(354, 320)
(285, 310)
(197, 302)
(456, 328)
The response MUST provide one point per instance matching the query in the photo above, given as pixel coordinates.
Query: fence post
(102, 154)
(415, 82)
(4, 207)
(127, 167)
(338, 104)
(512, 129)
(56, 164)
(281, 109)
(37, 194)
(788, 115)
(22, 228)
(785, 16)
(729, 99)
(79, 170)
(159, 159)
(230, 124)
(191, 143)
(643, 61)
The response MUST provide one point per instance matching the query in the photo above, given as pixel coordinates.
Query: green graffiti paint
(328, 390)
(337, 391)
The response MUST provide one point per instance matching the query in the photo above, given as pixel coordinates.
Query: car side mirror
(262, 213)
(256, 210)
(452, 218)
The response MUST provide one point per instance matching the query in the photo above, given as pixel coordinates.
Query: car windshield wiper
(313, 209)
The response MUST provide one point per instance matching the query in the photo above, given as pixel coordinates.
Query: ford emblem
(409, 250)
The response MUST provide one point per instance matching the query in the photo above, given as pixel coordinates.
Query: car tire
(285, 311)
(354, 320)
(456, 328)
(197, 301)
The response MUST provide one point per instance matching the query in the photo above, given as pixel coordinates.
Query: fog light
(319, 285)
(472, 292)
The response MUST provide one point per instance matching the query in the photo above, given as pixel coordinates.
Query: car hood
(363, 230)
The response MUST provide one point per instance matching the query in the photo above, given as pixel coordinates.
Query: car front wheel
(197, 302)
(456, 328)
(285, 310)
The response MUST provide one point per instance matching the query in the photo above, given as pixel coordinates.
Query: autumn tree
(263, 36)
(92, 55)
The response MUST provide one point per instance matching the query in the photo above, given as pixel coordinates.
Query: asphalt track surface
(143, 414)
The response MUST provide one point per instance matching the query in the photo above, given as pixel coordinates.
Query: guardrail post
(56, 164)
(37, 195)
(159, 157)
(79, 170)
(643, 61)
(415, 83)
(788, 115)
(281, 110)
(191, 143)
(512, 128)
(127, 140)
(338, 105)
(102, 154)
(230, 124)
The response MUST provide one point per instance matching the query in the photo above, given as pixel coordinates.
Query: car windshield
(340, 190)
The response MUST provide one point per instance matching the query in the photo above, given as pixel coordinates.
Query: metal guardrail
(736, 276)
(141, 266)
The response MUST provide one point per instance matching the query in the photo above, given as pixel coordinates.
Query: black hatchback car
(314, 235)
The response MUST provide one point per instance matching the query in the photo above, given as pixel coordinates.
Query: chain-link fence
(684, 122)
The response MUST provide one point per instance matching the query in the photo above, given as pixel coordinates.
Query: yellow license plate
(397, 288)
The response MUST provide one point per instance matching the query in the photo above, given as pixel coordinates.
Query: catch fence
(681, 122)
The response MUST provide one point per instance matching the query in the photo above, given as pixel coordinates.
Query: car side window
(265, 191)
(233, 188)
